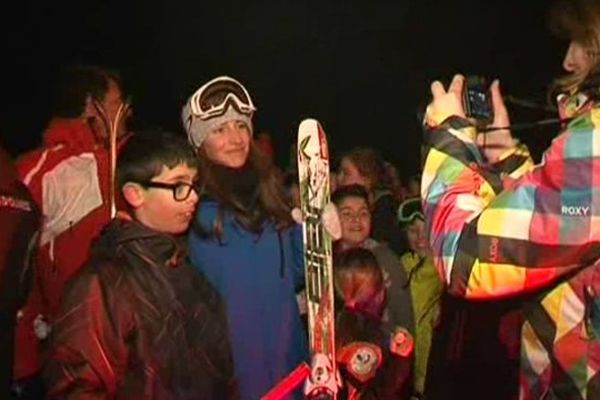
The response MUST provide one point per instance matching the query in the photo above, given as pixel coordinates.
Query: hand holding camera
(472, 99)
(445, 103)
(495, 142)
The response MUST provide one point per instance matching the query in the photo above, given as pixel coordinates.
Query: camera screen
(479, 103)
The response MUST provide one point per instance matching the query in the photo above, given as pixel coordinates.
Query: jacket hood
(125, 235)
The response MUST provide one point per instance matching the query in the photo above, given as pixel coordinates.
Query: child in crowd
(363, 166)
(139, 322)
(352, 202)
(374, 363)
(424, 283)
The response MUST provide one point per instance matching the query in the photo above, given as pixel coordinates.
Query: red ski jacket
(69, 179)
(19, 223)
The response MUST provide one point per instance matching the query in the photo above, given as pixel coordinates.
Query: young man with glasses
(140, 322)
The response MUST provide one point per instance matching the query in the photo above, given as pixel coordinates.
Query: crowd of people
(157, 265)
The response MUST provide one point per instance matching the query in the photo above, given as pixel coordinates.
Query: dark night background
(361, 67)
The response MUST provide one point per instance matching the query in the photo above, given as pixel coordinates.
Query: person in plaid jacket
(500, 227)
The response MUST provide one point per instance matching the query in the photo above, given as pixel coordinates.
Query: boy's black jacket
(140, 322)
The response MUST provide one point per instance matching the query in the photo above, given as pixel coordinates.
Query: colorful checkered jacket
(511, 228)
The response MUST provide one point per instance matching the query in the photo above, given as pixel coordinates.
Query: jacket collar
(70, 132)
(572, 105)
(125, 233)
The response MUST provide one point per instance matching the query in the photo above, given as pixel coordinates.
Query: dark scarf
(241, 186)
(241, 183)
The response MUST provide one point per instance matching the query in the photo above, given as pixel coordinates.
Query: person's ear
(134, 194)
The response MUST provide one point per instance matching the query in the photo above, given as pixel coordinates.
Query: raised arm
(492, 240)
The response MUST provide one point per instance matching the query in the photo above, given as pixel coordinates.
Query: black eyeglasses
(181, 190)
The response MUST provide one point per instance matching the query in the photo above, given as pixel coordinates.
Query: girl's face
(579, 59)
(355, 218)
(228, 144)
(417, 240)
(349, 175)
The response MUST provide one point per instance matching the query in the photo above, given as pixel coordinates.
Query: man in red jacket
(20, 223)
(71, 181)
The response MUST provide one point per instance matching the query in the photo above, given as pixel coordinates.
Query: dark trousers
(474, 353)
(30, 388)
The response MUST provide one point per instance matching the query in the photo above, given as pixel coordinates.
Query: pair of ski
(321, 378)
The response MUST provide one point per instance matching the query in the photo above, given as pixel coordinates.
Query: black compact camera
(477, 101)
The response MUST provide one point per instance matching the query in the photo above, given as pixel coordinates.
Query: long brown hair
(272, 203)
(369, 164)
(358, 279)
(358, 284)
(577, 20)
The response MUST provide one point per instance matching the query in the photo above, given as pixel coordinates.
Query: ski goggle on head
(218, 101)
(409, 211)
(216, 96)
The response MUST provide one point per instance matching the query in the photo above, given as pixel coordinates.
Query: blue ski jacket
(257, 277)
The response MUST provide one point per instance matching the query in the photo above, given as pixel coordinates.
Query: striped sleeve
(492, 241)
(515, 162)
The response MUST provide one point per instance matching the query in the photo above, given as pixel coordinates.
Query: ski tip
(311, 135)
(308, 124)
